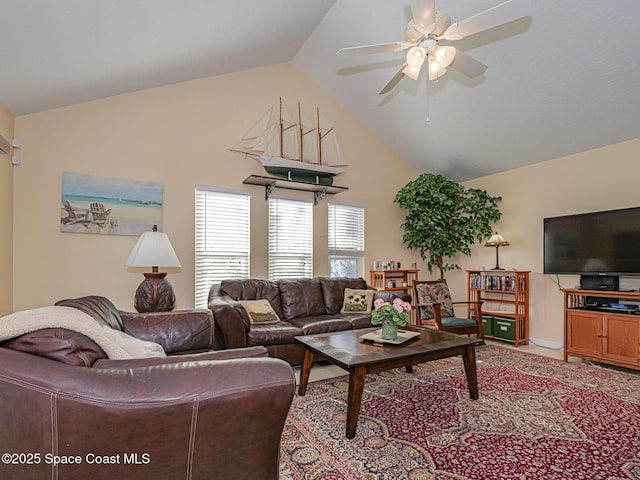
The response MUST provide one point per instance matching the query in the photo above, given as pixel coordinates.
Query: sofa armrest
(215, 419)
(236, 353)
(177, 331)
(231, 322)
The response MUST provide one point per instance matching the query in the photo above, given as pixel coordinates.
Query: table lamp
(155, 293)
(497, 241)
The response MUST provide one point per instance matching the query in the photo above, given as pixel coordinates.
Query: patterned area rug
(536, 418)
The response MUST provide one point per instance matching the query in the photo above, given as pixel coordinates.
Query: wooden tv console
(602, 335)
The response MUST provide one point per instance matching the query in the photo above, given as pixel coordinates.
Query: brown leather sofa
(305, 306)
(68, 412)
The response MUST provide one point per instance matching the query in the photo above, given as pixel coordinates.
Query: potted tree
(444, 218)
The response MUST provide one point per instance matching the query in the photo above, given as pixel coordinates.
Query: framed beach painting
(111, 206)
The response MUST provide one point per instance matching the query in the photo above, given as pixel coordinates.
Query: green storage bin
(504, 328)
(487, 324)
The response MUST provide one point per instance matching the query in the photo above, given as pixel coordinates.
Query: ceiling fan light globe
(444, 56)
(411, 72)
(416, 56)
(435, 70)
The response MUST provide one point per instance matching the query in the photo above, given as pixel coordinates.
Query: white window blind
(222, 239)
(346, 240)
(290, 239)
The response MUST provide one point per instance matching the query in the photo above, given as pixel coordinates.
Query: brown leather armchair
(196, 416)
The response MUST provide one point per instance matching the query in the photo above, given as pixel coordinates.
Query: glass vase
(389, 330)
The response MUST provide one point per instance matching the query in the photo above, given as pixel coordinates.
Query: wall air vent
(5, 146)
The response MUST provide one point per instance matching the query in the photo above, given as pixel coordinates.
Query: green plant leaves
(444, 219)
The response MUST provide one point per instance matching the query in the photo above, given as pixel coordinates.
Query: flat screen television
(598, 243)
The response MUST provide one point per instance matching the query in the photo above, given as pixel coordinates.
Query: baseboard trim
(546, 343)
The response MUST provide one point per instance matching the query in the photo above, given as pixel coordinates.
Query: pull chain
(428, 119)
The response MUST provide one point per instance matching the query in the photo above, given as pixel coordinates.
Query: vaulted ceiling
(561, 80)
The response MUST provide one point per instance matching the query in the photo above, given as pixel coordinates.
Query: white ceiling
(563, 80)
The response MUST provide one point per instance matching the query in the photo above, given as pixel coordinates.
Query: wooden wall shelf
(271, 183)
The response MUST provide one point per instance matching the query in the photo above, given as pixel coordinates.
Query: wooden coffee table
(359, 357)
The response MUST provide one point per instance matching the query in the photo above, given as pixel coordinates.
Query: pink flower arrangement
(397, 312)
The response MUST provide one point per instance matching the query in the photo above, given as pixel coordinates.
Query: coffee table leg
(304, 371)
(469, 359)
(356, 386)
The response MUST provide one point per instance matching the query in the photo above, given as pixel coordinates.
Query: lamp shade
(153, 249)
(496, 240)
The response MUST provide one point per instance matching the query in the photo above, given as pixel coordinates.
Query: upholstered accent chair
(435, 309)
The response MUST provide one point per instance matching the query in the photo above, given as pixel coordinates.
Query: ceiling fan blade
(468, 65)
(498, 15)
(371, 49)
(394, 81)
(424, 14)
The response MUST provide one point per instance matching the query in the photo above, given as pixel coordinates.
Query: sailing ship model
(295, 149)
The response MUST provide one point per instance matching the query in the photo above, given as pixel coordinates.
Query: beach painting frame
(111, 206)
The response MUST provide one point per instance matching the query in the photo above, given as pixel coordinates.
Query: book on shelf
(499, 283)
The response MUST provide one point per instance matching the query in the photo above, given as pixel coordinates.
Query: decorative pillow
(260, 311)
(357, 301)
(134, 346)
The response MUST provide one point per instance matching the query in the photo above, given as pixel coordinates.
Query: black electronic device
(599, 282)
(625, 306)
(598, 244)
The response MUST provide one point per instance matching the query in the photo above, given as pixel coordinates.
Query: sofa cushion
(315, 324)
(358, 320)
(301, 297)
(260, 311)
(253, 289)
(60, 344)
(272, 334)
(333, 291)
(357, 301)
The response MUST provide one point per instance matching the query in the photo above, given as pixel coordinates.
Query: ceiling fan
(428, 28)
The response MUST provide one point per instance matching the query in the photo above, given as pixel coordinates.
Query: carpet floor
(536, 418)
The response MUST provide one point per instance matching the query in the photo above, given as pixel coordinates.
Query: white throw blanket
(117, 345)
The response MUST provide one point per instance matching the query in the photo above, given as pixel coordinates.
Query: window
(222, 239)
(346, 241)
(290, 239)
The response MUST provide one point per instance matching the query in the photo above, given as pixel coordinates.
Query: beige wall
(6, 216)
(179, 135)
(600, 179)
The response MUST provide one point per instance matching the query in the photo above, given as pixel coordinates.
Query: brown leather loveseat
(304, 306)
(69, 412)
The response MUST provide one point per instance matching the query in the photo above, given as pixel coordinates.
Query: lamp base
(155, 294)
(497, 267)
